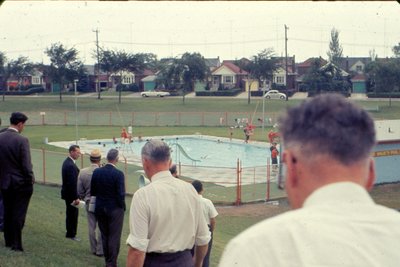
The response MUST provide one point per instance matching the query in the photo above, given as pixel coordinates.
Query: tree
(65, 65)
(335, 52)
(184, 71)
(384, 75)
(15, 68)
(117, 62)
(194, 69)
(262, 65)
(326, 78)
(396, 50)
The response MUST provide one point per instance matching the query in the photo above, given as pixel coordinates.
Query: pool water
(200, 150)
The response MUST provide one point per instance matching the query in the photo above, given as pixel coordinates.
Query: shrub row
(30, 91)
(230, 92)
(384, 95)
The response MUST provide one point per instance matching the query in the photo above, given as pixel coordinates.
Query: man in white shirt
(329, 169)
(166, 218)
(210, 213)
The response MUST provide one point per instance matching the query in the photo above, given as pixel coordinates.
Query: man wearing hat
(84, 181)
(16, 179)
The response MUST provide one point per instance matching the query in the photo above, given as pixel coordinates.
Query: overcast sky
(230, 30)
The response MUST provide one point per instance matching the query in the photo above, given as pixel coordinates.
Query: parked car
(154, 93)
(274, 94)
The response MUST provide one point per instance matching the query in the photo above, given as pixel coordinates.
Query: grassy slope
(44, 232)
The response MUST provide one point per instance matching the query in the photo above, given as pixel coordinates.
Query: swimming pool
(198, 150)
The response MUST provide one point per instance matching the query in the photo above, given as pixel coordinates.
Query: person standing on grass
(210, 213)
(69, 192)
(1, 197)
(108, 186)
(329, 170)
(166, 218)
(84, 182)
(16, 179)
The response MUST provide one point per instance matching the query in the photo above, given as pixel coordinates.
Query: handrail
(185, 153)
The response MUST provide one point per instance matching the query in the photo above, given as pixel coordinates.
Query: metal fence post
(44, 165)
(238, 183)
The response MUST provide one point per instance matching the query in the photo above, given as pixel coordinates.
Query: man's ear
(371, 175)
(291, 165)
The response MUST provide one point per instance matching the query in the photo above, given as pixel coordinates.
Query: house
(354, 65)
(279, 77)
(139, 76)
(89, 82)
(32, 79)
(359, 83)
(304, 68)
(228, 75)
(212, 63)
(149, 82)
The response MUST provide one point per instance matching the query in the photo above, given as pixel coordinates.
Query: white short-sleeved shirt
(339, 225)
(167, 216)
(208, 209)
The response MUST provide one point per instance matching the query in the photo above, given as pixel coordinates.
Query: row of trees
(383, 75)
(182, 72)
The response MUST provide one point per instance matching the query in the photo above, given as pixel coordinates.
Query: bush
(230, 92)
(384, 95)
(128, 87)
(32, 90)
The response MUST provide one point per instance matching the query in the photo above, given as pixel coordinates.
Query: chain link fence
(98, 118)
(222, 185)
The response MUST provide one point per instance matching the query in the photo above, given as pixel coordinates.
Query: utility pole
(286, 62)
(98, 65)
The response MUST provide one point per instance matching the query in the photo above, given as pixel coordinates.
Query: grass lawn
(44, 232)
(45, 244)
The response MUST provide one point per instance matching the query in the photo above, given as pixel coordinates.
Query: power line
(194, 44)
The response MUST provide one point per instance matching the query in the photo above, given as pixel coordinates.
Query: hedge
(30, 91)
(384, 95)
(231, 92)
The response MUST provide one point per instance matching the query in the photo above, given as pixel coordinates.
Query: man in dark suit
(69, 193)
(1, 198)
(108, 186)
(16, 179)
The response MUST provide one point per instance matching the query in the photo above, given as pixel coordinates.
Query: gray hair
(112, 154)
(329, 124)
(156, 151)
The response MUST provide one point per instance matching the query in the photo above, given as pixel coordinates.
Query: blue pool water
(203, 150)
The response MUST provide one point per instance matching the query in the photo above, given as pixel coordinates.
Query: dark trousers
(177, 259)
(16, 202)
(110, 223)
(71, 219)
(206, 261)
(1, 212)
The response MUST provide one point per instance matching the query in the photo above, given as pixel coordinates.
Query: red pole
(126, 171)
(268, 181)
